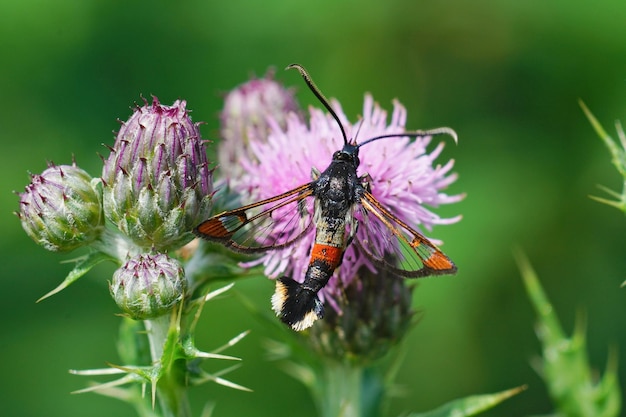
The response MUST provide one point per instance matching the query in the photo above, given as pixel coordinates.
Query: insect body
(336, 191)
(338, 194)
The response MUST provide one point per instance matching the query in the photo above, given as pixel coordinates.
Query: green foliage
(564, 364)
(348, 388)
(171, 342)
(470, 406)
(618, 158)
(83, 265)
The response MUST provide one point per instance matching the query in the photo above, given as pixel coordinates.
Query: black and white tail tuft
(295, 305)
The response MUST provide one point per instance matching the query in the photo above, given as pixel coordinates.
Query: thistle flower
(157, 182)
(60, 209)
(245, 116)
(403, 179)
(148, 285)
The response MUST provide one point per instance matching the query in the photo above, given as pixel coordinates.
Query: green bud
(157, 181)
(60, 209)
(375, 314)
(148, 285)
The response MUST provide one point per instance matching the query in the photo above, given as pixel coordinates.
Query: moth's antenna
(358, 129)
(320, 97)
(417, 134)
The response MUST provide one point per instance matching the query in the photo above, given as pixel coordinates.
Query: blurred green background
(506, 75)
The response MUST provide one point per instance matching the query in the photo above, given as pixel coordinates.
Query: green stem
(115, 244)
(171, 391)
(341, 390)
(157, 329)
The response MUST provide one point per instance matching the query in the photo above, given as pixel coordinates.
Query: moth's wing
(391, 244)
(273, 223)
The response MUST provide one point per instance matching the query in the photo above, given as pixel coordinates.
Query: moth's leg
(315, 173)
(366, 182)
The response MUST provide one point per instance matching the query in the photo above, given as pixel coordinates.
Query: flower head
(376, 313)
(157, 182)
(245, 118)
(148, 285)
(403, 178)
(60, 209)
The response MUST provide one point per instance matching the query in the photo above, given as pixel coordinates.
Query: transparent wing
(269, 224)
(392, 244)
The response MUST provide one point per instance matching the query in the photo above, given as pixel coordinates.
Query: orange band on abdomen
(330, 255)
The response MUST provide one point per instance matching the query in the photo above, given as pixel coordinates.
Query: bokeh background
(506, 75)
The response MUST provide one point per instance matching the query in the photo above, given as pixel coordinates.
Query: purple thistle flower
(60, 209)
(247, 109)
(148, 285)
(403, 179)
(157, 180)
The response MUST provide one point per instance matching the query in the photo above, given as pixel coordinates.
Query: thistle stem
(341, 390)
(171, 392)
(115, 244)
(157, 329)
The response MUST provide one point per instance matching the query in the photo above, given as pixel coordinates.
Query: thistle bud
(157, 182)
(375, 314)
(60, 209)
(246, 114)
(148, 285)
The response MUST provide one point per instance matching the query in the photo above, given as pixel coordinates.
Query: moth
(328, 204)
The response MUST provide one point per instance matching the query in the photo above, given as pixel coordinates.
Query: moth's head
(349, 154)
